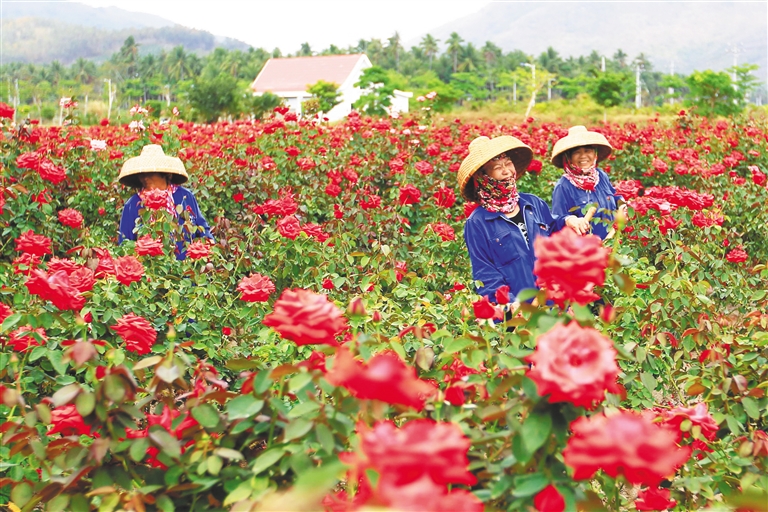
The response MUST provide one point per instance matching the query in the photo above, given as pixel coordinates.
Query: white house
(289, 78)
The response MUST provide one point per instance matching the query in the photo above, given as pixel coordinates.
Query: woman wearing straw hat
(153, 169)
(584, 189)
(501, 231)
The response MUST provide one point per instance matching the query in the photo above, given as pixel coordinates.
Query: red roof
(297, 73)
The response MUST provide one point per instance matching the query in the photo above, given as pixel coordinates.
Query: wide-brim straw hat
(152, 159)
(481, 150)
(579, 136)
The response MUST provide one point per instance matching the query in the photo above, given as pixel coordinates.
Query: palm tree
(429, 45)
(454, 47)
(394, 47)
(469, 59)
(177, 64)
(621, 58)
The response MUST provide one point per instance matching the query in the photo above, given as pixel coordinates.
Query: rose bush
(189, 385)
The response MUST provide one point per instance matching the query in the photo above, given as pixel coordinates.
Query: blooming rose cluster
(416, 464)
(137, 332)
(306, 318)
(574, 364)
(255, 288)
(569, 266)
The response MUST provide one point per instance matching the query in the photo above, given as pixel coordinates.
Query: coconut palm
(454, 47)
(429, 46)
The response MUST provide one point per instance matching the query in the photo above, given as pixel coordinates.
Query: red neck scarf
(496, 195)
(585, 179)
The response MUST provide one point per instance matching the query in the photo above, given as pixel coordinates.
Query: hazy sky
(289, 23)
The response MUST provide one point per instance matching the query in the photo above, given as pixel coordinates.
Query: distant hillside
(40, 41)
(693, 35)
(105, 18)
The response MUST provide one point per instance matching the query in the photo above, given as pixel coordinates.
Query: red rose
(409, 195)
(625, 443)
(502, 294)
(82, 279)
(424, 494)
(36, 245)
(535, 166)
(444, 231)
(5, 312)
(29, 261)
(21, 339)
(424, 168)
(239, 197)
(50, 172)
(758, 177)
(289, 227)
(137, 332)
(483, 308)
(292, 150)
(333, 189)
(197, 250)
(305, 164)
(71, 217)
(549, 500)
(306, 318)
(226, 331)
(396, 165)
(55, 264)
(698, 415)
(6, 111)
(574, 364)
(370, 202)
(148, 246)
(128, 269)
(328, 284)
(255, 288)
(445, 197)
(315, 231)
(737, 255)
(654, 498)
(419, 448)
(56, 288)
(569, 266)
(29, 161)
(385, 377)
(154, 199)
(66, 421)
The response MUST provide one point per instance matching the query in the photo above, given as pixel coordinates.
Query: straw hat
(579, 136)
(152, 159)
(481, 150)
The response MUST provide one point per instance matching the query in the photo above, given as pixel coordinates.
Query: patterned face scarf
(496, 195)
(585, 179)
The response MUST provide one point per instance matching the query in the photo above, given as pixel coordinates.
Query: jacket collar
(484, 214)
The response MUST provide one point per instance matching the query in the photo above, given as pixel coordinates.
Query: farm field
(329, 351)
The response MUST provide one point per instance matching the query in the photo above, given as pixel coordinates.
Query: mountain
(692, 35)
(43, 32)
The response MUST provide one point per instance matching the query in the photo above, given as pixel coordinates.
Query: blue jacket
(498, 251)
(567, 199)
(183, 197)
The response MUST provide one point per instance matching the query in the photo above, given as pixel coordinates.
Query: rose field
(329, 351)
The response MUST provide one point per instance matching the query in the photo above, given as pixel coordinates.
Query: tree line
(462, 74)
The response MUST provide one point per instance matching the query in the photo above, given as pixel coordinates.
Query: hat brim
(520, 154)
(132, 179)
(574, 141)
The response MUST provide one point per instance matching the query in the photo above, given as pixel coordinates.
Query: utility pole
(109, 92)
(549, 89)
(514, 93)
(735, 50)
(638, 90)
(16, 100)
(532, 103)
(602, 65)
(671, 91)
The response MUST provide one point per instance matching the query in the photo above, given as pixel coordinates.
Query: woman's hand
(578, 224)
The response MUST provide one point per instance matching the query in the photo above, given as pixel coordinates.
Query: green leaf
(37, 353)
(206, 415)
(65, 395)
(240, 493)
(299, 381)
(21, 494)
(528, 485)
(751, 407)
(163, 440)
(267, 459)
(648, 381)
(10, 322)
(214, 464)
(304, 409)
(138, 449)
(55, 357)
(240, 364)
(228, 453)
(243, 406)
(536, 430)
(325, 437)
(296, 429)
(456, 345)
(165, 503)
(85, 403)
